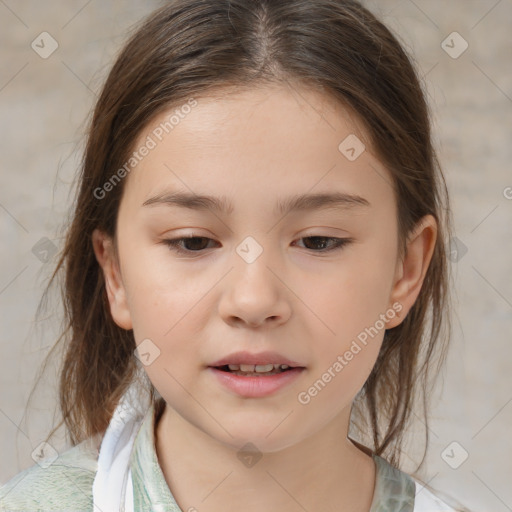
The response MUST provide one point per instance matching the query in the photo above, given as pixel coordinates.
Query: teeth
(259, 368)
(264, 368)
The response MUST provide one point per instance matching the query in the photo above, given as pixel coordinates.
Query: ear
(411, 271)
(106, 255)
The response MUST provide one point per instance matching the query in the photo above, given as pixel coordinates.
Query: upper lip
(245, 357)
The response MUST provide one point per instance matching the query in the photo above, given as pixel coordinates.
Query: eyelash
(173, 244)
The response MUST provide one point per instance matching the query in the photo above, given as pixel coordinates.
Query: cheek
(352, 296)
(168, 314)
(353, 305)
(157, 291)
(162, 306)
(167, 306)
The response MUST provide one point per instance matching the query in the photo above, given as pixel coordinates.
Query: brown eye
(196, 244)
(191, 244)
(322, 243)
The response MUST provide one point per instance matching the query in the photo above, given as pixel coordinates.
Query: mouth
(259, 370)
(256, 381)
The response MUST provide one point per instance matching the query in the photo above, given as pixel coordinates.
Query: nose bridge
(254, 259)
(251, 250)
(254, 293)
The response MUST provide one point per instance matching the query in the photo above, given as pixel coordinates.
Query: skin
(255, 147)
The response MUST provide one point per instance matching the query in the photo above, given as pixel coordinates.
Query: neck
(325, 471)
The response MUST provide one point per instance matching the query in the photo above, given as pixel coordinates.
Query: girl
(256, 265)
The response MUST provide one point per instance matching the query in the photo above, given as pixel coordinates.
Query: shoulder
(65, 484)
(427, 501)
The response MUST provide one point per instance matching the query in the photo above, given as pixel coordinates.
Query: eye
(336, 243)
(175, 244)
(196, 244)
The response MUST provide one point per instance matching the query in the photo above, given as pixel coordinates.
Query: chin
(254, 437)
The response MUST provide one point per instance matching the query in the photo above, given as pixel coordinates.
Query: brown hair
(187, 49)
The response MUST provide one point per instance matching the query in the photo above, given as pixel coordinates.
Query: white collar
(112, 487)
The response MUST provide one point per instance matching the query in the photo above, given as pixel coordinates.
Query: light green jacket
(66, 485)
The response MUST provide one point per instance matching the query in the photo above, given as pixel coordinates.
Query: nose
(255, 295)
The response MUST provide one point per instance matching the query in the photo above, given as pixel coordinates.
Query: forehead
(276, 140)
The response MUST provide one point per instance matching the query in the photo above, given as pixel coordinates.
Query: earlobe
(411, 271)
(105, 253)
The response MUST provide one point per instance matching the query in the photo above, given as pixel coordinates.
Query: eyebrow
(301, 202)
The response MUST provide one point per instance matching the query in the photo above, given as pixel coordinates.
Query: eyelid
(173, 243)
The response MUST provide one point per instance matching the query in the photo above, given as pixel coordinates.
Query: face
(317, 284)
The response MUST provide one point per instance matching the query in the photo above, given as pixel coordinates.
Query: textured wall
(45, 102)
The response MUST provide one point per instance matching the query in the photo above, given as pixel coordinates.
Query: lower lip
(255, 387)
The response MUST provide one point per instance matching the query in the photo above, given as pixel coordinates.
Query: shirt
(66, 483)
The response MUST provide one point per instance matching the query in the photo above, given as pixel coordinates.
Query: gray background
(44, 105)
